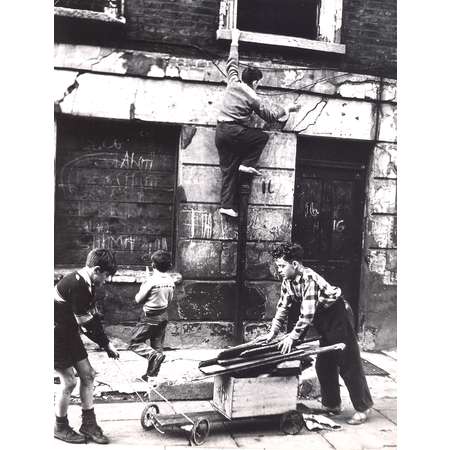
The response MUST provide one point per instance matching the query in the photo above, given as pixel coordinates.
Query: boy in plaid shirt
(307, 299)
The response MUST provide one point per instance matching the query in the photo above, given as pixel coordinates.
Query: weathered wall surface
(379, 274)
(183, 91)
(368, 30)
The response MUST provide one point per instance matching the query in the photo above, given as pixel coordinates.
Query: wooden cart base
(291, 422)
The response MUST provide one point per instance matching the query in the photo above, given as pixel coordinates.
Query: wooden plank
(297, 354)
(159, 225)
(284, 41)
(241, 397)
(167, 420)
(116, 177)
(113, 193)
(77, 256)
(71, 155)
(113, 210)
(123, 242)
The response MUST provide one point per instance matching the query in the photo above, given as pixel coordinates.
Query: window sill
(285, 41)
(121, 276)
(88, 15)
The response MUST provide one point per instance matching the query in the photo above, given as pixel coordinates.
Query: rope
(154, 390)
(127, 380)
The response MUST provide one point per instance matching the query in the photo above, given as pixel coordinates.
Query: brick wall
(368, 30)
(177, 26)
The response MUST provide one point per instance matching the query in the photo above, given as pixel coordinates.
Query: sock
(88, 415)
(62, 420)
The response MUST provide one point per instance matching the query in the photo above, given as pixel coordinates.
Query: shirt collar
(83, 272)
(297, 279)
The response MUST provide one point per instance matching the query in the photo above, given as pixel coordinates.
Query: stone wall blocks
(204, 259)
(384, 264)
(388, 123)
(382, 231)
(385, 161)
(383, 196)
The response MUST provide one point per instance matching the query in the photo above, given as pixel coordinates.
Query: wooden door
(328, 211)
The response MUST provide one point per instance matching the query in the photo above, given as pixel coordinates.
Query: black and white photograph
(225, 223)
(239, 216)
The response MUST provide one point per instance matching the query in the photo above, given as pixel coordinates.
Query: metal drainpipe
(244, 193)
(360, 320)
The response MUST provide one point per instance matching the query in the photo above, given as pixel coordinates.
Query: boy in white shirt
(154, 295)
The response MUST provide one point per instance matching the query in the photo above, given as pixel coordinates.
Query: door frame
(363, 166)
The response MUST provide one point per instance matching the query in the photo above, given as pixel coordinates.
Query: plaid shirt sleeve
(282, 310)
(307, 309)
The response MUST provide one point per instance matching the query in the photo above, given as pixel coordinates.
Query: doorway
(328, 210)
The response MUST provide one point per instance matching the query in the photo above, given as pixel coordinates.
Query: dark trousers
(147, 338)
(236, 145)
(335, 325)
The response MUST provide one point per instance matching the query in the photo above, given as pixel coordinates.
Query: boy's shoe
(155, 365)
(93, 433)
(90, 428)
(229, 212)
(67, 434)
(332, 411)
(250, 170)
(359, 417)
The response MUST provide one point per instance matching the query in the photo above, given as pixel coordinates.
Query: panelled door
(328, 212)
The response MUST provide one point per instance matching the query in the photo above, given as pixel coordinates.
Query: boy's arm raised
(233, 58)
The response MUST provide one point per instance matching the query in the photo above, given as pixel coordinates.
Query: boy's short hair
(162, 260)
(103, 258)
(250, 74)
(289, 252)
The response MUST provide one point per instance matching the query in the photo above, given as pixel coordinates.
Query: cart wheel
(199, 432)
(147, 416)
(291, 422)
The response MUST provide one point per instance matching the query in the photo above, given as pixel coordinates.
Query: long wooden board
(217, 369)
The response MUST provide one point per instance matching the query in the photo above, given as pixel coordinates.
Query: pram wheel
(291, 422)
(147, 416)
(199, 432)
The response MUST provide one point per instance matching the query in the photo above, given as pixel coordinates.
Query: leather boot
(90, 428)
(65, 433)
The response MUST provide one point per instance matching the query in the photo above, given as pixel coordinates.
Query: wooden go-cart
(239, 397)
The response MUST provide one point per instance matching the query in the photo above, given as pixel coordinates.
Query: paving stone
(311, 441)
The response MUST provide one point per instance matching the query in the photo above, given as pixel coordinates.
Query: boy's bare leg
(87, 375)
(62, 429)
(68, 384)
(89, 426)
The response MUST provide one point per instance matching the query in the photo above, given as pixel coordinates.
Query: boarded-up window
(115, 185)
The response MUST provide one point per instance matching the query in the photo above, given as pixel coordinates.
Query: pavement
(120, 398)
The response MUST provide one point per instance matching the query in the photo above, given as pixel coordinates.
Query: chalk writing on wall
(115, 184)
(200, 223)
(311, 210)
(338, 225)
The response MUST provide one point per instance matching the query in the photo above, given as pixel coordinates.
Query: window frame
(113, 12)
(328, 29)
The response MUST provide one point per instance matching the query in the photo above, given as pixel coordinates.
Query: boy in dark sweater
(74, 308)
(154, 295)
(307, 299)
(238, 145)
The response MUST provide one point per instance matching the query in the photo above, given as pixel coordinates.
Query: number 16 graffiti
(310, 210)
